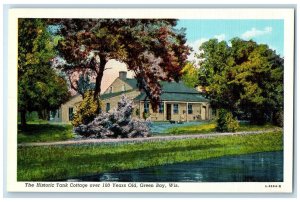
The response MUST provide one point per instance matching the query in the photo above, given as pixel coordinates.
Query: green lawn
(36, 132)
(201, 128)
(249, 127)
(210, 127)
(41, 163)
(45, 132)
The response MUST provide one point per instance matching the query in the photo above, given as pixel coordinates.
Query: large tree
(152, 48)
(40, 87)
(190, 75)
(246, 78)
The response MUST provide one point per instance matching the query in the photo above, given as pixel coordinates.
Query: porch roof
(185, 97)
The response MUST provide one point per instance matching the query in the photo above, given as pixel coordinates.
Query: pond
(258, 167)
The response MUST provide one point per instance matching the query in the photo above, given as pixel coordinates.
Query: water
(258, 167)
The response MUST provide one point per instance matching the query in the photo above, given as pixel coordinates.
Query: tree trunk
(99, 76)
(98, 85)
(23, 118)
(99, 80)
(46, 115)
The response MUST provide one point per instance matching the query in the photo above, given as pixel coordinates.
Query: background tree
(40, 87)
(245, 78)
(152, 48)
(215, 61)
(84, 84)
(190, 75)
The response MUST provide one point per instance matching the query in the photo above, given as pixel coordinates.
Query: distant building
(178, 102)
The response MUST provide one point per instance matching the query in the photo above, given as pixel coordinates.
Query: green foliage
(190, 75)
(87, 110)
(41, 163)
(278, 119)
(40, 87)
(30, 116)
(84, 84)
(44, 133)
(226, 122)
(245, 78)
(137, 112)
(146, 115)
(35, 46)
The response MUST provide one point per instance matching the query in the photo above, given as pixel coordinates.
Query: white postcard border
(237, 13)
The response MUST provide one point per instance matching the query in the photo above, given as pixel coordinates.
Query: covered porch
(175, 111)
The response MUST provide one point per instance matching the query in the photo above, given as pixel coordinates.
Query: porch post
(140, 110)
(186, 112)
(165, 111)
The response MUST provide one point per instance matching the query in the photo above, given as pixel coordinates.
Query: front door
(203, 113)
(169, 108)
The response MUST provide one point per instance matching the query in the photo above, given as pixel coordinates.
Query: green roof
(131, 82)
(170, 87)
(186, 97)
(110, 95)
(171, 91)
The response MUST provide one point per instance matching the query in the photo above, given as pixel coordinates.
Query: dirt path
(148, 139)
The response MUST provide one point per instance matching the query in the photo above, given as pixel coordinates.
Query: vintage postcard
(150, 100)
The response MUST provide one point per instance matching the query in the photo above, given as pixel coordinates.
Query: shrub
(278, 118)
(146, 115)
(226, 122)
(118, 123)
(87, 110)
(137, 112)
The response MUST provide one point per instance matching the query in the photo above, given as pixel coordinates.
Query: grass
(36, 132)
(210, 127)
(49, 163)
(45, 132)
(201, 128)
(249, 127)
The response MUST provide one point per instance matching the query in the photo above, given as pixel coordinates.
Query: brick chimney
(123, 75)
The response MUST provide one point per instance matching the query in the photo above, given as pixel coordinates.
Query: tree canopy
(190, 75)
(39, 86)
(245, 77)
(152, 48)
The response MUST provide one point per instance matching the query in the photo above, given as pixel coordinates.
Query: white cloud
(220, 37)
(256, 32)
(195, 45)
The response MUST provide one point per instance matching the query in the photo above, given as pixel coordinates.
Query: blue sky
(268, 32)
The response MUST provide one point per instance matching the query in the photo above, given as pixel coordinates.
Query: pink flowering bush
(116, 124)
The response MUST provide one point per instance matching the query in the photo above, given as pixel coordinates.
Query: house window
(110, 89)
(190, 109)
(107, 107)
(70, 113)
(146, 107)
(175, 108)
(123, 88)
(161, 107)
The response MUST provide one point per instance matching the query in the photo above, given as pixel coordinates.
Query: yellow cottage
(179, 103)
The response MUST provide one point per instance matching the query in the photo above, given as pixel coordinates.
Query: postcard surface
(150, 100)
